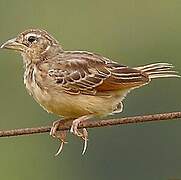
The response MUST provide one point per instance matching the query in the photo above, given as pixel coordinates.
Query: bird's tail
(158, 70)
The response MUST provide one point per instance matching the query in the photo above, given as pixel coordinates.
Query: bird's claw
(60, 147)
(85, 138)
(83, 134)
(61, 135)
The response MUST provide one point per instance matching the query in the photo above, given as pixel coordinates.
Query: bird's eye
(32, 39)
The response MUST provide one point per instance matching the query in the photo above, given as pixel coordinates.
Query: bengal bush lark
(77, 85)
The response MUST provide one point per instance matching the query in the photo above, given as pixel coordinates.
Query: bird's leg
(61, 135)
(83, 134)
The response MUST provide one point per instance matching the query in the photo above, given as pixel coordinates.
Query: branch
(93, 124)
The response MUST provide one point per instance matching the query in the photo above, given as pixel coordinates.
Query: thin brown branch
(93, 124)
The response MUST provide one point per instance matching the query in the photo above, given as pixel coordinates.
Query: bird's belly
(63, 104)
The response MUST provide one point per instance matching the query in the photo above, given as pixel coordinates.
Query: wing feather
(87, 73)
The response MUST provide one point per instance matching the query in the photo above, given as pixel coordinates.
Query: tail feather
(158, 70)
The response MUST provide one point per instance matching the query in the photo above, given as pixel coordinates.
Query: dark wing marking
(87, 73)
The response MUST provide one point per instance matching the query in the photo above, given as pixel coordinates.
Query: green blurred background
(129, 31)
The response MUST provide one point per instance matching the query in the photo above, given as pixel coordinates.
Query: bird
(77, 85)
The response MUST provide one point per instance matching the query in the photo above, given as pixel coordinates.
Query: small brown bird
(77, 85)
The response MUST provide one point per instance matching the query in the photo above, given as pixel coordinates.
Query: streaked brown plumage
(77, 84)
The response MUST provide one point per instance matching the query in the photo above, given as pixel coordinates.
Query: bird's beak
(14, 45)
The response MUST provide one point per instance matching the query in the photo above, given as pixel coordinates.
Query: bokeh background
(133, 32)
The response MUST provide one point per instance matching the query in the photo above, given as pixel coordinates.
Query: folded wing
(87, 73)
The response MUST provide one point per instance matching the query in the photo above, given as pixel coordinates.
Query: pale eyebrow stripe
(32, 34)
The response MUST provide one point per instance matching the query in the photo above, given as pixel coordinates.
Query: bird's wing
(87, 73)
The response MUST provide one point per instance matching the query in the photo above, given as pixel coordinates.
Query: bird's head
(33, 44)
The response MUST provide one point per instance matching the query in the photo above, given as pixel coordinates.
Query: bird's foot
(61, 135)
(83, 134)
